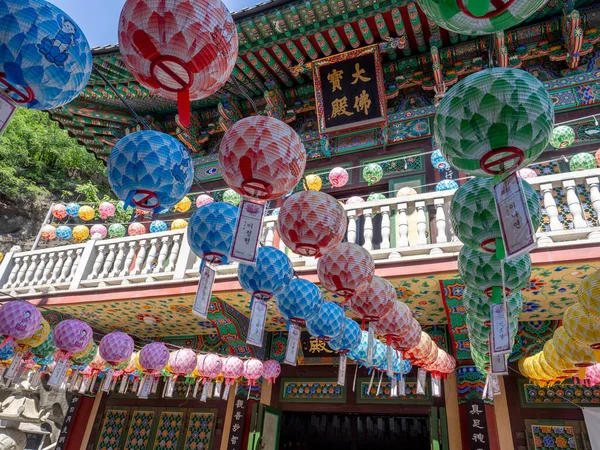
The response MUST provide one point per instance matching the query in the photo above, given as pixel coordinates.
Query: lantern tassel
(371, 382)
(379, 385)
(184, 107)
(371, 343)
(354, 381)
(390, 361)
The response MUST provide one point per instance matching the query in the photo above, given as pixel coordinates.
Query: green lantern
(481, 271)
(478, 305)
(116, 230)
(376, 196)
(230, 196)
(474, 217)
(562, 137)
(372, 173)
(479, 17)
(481, 361)
(582, 161)
(494, 121)
(45, 349)
(84, 361)
(480, 331)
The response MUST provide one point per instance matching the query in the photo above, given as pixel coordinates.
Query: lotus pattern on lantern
(572, 351)
(211, 229)
(438, 161)
(393, 325)
(446, 185)
(72, 335)
(328, 322)
(581, 326)
(19, 319)
(562, 137)
(44, 56)
(253, 370)
(72, 209)
(233, 368)
(116, 230)
(99, 229)
(271, 370)
(154, 356)
(116, 347)
(348, 339)
(359, 354)
(311, 221)
(59, 211)
(338, 177)
(410, 338)
(158, 226)
(376, 301)
(582, 161)
(211, 366)
(203, 199)
(150, 170)
(379, 356)
(183, 361)
(422, 349)
(48, 232)
(478, 305)
(299, 301)
(270, 274)
(106, 210)
(589, 293)
(262, 157)
(345, 269)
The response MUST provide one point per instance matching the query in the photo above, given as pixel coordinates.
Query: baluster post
(48, 268)
(108, 263)
(151, 256)
(140, 258)
(31, 270)
(116, 268)
(174, 253)
(368, 229)
(128, 259)
(162, 256)
(351, 231)
(421, 223)
(14, 271)
(66, 267)
(575, 204)
(185, 259)
(440, 220)
(37, 277)
(402, 225)
(385, 227)
(551, 209)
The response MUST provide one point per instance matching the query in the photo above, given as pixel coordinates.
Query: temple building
(372, 115)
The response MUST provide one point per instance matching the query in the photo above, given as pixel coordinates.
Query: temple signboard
(350, 91)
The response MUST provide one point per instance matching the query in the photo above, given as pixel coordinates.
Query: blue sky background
(98, 18)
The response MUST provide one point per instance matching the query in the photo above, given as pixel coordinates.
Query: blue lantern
(359, 354)
(64, 232)
(405, 367)
(379, 356)
(327, 323)
(210, 231)
(438, 161)
(72, 209)
(349, 338)
(7, 352)
(269, 276)
(158, 226)
(300, 301)
(446, 185)
(45, 59)
(150, 170)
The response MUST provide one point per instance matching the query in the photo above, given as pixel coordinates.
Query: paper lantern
(180, 50)
(313, 182)
(7, 352)
(80, 233)
(59, 211)
(211, 231)
(479, 17)
(406, 192)
(158, 226)
(99, 229)
(116, 230)
(421, 350)
(527, 173)
(375, 196)
(86, 213)
(106, 210)
(72, 209)
(355, 201)
(150, 170)
(374, 302)
(327, 323)
(44, 350)
(253, 370)
(232, 197)
(271, 370)
(581, 326)
(203, 199)
(116, 347)
(563, 136)
(183, 206)
(72, 335)
(18, 320)
(438, 161)
(154, 357)
(299, 301)
(592, 375)
(555, 358)
(46, 60)
(582, 161)
(86, 356)
(48, 232)
(579, 355)
(478, 305)
(481, 271)
(589, 294)
(348, 339)
(391, 326)
(372, 173)
(211, 366)
(233, 368)
(268, 276)
(37, 338)
(311, 221)
(261, 157)
(179, 224)
(346, 269)
(182, 361)
(494, 121)
(338, 177)
(410, 338)
(359, 354)
(379, 356)
(446, 185)
(136, 229)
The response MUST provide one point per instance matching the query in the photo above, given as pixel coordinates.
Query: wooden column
(503, 427)
(452, 413)
(227, 421)
(79, 427)
(91, 420)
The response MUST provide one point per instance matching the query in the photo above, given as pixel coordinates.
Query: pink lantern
(154, 357)
(261, 157)
(48, 232)
(271, 370)
(597, 156)
(182, 362)
(99, 229)
(211, 366)
(204, 199)
(422, 349)
(410, 338)
(97, 365)
(106, 210)
(311, 221)
(253, 370)
(592, 375)
(374, 302)
(72, 336)
(136, 229)
(346, 269)
(392, 326)
(59, 211)
(338, 177)
(355, 201)
(116, 347)
(233, 368)
(179, 49)
(526, 173)
(18, 320)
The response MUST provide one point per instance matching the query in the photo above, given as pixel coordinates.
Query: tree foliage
(38, 159)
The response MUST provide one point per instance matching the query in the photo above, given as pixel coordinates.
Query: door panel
(113, 429)
(200, 430)
(140, 429)
(169, 431)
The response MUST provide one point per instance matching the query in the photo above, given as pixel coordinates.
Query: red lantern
(179, 49)
(346, 269)
(262, 157)
(422, 349)
(410, 338)
(392, 326)
(311, 221)
(376, 301)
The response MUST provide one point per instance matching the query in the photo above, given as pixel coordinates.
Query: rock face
(19, 225)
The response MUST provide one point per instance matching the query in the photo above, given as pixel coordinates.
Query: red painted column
(77, 432)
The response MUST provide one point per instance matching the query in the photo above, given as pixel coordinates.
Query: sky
(99, 22)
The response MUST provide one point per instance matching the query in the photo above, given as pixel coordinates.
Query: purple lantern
(72, 336)
(18, 320)
(154, 357)
(116, 347)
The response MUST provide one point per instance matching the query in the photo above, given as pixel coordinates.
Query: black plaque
(478, 432)
(68, 422)
(236, 434)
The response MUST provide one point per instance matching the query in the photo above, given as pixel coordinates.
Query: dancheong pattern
(169, 430)
(139, 430)
(112, 429)
(200, 431)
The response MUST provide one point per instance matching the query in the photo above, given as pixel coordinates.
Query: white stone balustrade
(393, 230)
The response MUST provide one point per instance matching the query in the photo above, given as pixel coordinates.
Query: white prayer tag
(495, 385)
(147, 384)
(247, 232)
(370, 343)
(84, 385)
(155, 381)
(436, 387)
(393, 388)
(218, 389)
(291, 351)
(257, 323)
(123, 384)
(205, 389)
(421, 379)
(499, 365)
(20, 373)
(14, 365)
(107, 380)
(226, 391)
(170, 387)
(210, 389)
(390, 362)
(93, 383)
(342, 370)
(402, 387)
(500, 335)
(484, 394)
(59, 372)
(195, 393)
(36, 378)
(202, 301)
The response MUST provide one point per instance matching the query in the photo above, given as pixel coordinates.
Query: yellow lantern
(80, 233)
(555, 360)
(179, 224)
(136, 362)
(582, 327)
(183, 205)
(589, 293)
(547, 368)
(540, 373)
(86, 213)
(38, 337)
(313, 182)
(578, 355)
(83, 353)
